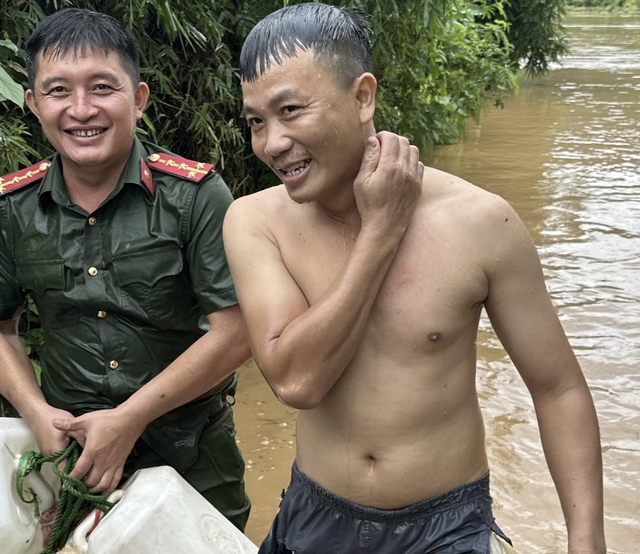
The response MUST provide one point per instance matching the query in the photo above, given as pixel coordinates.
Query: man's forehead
(57, 52)
(60, 62)
(277, 64)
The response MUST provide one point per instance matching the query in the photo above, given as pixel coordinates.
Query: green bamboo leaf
(10, 90)
(9, 45)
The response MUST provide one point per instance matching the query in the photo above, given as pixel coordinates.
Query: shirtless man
(362, 279)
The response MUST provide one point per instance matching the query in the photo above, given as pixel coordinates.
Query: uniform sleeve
(208, 268)
(11, 297)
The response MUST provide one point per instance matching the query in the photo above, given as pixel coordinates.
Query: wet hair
(338, 38)
(78, 31)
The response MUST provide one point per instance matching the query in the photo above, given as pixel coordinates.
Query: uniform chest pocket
(152, 284)
(45, 281)
(38, 276)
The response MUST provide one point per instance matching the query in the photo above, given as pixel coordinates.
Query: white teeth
(87, 133)
(296, 170)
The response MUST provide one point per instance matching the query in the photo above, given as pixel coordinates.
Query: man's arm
(19, 386)
(109, 435)
(303, 349)
(525, 320)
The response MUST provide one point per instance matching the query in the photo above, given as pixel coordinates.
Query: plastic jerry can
(158, 512)
(155, 512)
(20, 531)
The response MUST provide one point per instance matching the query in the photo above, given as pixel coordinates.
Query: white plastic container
(20, 531)
(158, 512)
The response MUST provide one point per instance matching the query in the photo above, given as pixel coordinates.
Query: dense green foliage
(605, 4)
(438, 62)
(436, 69)
(536, 32)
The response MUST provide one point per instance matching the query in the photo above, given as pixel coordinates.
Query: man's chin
(298, 196)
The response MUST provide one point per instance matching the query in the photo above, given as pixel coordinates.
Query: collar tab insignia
(23, 177)
(179, 167)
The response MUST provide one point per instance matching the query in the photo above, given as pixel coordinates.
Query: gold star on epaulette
(180, 167)
(23, 177)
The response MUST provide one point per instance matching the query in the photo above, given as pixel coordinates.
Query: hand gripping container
(20, 531)
(156, 512)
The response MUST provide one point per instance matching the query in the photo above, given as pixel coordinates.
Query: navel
(371, 461)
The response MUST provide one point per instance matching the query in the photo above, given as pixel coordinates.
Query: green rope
(74, 499)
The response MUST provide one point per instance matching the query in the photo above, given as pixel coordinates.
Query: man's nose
(82, 106)
(278, 140)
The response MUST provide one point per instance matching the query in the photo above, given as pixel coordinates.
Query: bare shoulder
(258, 211)
(471, 224)
(439, 186)
(473, 207)
(269, 200)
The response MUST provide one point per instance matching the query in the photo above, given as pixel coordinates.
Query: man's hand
(49, 438)
(388, 185)
(107, 438)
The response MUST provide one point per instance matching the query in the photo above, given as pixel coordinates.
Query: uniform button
(92, 221)
(92, 271)
(113, 364)
(102, 314)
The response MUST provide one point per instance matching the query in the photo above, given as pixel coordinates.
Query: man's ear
(366, 86)
(142, 97)
(30, 100)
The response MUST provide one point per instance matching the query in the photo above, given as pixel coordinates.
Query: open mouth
(87, 132)
(296, 169)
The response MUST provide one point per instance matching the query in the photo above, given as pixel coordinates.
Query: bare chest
(432, 292)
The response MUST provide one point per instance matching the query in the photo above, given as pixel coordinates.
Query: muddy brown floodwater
(266, 434)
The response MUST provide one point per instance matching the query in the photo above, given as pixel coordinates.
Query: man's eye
(290, 109)
(254, 121)
(102, 87)
(57, 90)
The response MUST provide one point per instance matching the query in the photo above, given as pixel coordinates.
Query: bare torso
(402, 423)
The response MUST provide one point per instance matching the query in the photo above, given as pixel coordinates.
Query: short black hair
(338, 38)
(79, 30)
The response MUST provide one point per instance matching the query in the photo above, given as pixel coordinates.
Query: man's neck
(89, 187)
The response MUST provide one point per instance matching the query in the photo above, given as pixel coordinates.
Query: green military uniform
(121, 293)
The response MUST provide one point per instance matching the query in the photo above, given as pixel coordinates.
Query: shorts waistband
(473, 491)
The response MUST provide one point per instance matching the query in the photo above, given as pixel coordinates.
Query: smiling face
(306, 128)
(88, 108)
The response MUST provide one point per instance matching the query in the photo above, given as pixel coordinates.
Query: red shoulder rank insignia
(25, 176)
(180, 167)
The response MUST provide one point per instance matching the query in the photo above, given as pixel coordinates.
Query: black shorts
(311, 520)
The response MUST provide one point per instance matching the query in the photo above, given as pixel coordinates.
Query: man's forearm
(312, 351)
(18, 383)
(200, 368)
(571, 441)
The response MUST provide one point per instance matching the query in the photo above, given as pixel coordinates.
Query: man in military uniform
(119, 244)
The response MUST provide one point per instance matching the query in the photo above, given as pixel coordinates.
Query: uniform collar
(135, 172)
